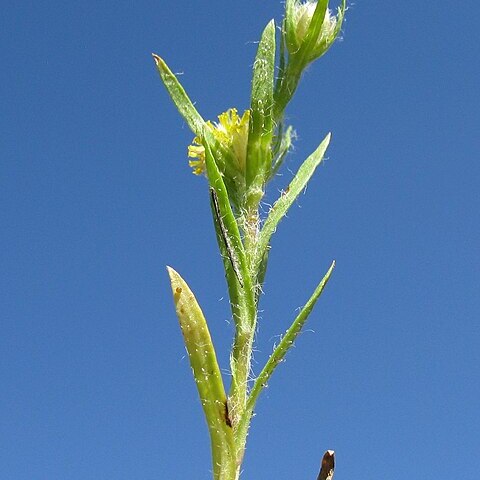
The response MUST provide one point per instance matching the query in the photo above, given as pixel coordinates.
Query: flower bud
(311, 25)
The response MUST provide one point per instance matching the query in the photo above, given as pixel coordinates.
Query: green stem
(240, 433)
(244, 336)
(286, 88)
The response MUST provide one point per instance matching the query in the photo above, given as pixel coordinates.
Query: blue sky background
(96, 198)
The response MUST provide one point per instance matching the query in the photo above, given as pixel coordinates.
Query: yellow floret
(231, 132)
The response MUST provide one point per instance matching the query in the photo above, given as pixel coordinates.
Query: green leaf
(180, 98)
(226, 217)
(276, 358)
(282, 62)
(224, 237)
(282, 205)
(259, 156)
(233, 284)
(287, 341)
(313, 50)
(194, 120)
(313, 32)
(206, 372)
(242, 291)
(283, 148)
(229, 232)
(228, 238)
(290, 26)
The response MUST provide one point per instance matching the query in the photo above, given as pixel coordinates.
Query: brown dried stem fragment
(328, 466)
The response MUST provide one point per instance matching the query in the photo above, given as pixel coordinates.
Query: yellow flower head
(231, 132)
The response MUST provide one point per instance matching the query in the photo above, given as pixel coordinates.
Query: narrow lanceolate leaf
(289, 26)
(327, 41)
(206, 371)
(234, 286)
(313, 31)
(282, 61)
(287, 341)
(229, 228)
(180, 98)
(282, 205)
(282, 150)
(259, 155)
(227, 246)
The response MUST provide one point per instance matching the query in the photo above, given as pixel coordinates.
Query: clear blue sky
(96, 198)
